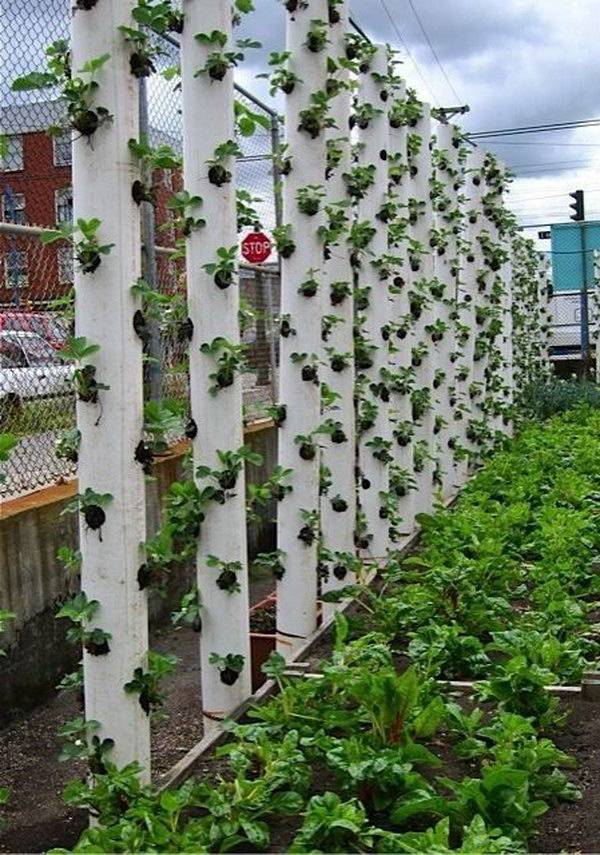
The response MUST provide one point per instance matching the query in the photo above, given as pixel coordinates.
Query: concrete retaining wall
(33, 582)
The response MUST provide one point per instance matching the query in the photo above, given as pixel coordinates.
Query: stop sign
(256, 247)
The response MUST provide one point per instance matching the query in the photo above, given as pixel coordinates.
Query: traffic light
(577, 206)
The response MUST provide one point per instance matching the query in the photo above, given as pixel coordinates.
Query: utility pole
(578, 216)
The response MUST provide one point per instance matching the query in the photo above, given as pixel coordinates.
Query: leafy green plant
(146, 683)
(229, 358)
(84, 376)
(282, 78)
(184, 206)
(229, 666)
(223, 269)
(331, 825)
(88, 249)
(81, 611)
(219, 61)
(227, 579)
(78, 91)
(67, 446)
(82, 743)
(309, 199)
(91, 506)
(218, 174)
(189, 612)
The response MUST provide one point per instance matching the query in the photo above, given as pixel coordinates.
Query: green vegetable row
(378, 754)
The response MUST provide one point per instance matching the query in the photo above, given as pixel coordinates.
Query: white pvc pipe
(468, 294)
(419, 189)
(103, 173)
(374, 140)
(400, 357)
(339, 458)
(297, 590)
(442, 350)
(208, 121)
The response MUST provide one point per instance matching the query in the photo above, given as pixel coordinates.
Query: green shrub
(544, 399)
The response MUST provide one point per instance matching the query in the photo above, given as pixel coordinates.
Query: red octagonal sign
(256, 247)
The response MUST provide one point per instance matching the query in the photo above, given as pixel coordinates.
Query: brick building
(35, 189)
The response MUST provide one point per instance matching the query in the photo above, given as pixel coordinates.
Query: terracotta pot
(262, 644)
(261, 647)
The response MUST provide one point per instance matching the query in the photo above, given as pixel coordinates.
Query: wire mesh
(36, 403)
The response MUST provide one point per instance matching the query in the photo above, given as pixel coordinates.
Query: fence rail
(36, 280)
(36, 400)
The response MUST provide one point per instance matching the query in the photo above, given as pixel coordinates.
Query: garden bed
(372, 751)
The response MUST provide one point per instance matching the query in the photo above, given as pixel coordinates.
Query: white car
(29, 368)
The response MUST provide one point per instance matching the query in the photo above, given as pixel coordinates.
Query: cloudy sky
(515, 62)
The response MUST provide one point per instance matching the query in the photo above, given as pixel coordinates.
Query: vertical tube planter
(498, 371)
(467, 370)
(302, 286)
(338, 505)
(112, 526)
(401, 470)
(215, 379)
(376, 442)
(441, 333)
(422, 298)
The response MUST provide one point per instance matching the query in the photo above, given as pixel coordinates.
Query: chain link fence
(36, 403)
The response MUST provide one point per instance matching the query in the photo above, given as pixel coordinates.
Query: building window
(12, 160)
(65, 265)
(15, 269)
(63, 205)
(13, 207)
(62, 149)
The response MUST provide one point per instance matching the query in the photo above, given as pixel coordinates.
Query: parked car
(29, 369)
(52, 328)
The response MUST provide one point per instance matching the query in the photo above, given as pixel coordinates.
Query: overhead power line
(434, 52)
(545, 169)
(528, 129)
(550, 144)
(547, 196)
(407, 50)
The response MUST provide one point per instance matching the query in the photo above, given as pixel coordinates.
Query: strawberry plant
(281, 79)
(218, 62)
(183, 205)
(223, 270)
(272, 561)
(218, 174)
(316, 37)
(78, 91)
(229, 666)
(309, 199)
(91, 506)
(88, 250)
(227, 579)
(189, 612)
(229, 359)
(284, 242)
(146, 683)
(313, 119)
(80, 611)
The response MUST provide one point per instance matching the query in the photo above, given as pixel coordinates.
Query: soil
(575, 826)
(36, 818)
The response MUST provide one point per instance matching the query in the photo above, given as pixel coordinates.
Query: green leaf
(34, 80)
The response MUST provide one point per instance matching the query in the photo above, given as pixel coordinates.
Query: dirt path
(36, 817)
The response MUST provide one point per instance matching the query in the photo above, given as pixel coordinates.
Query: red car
(51, 328)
